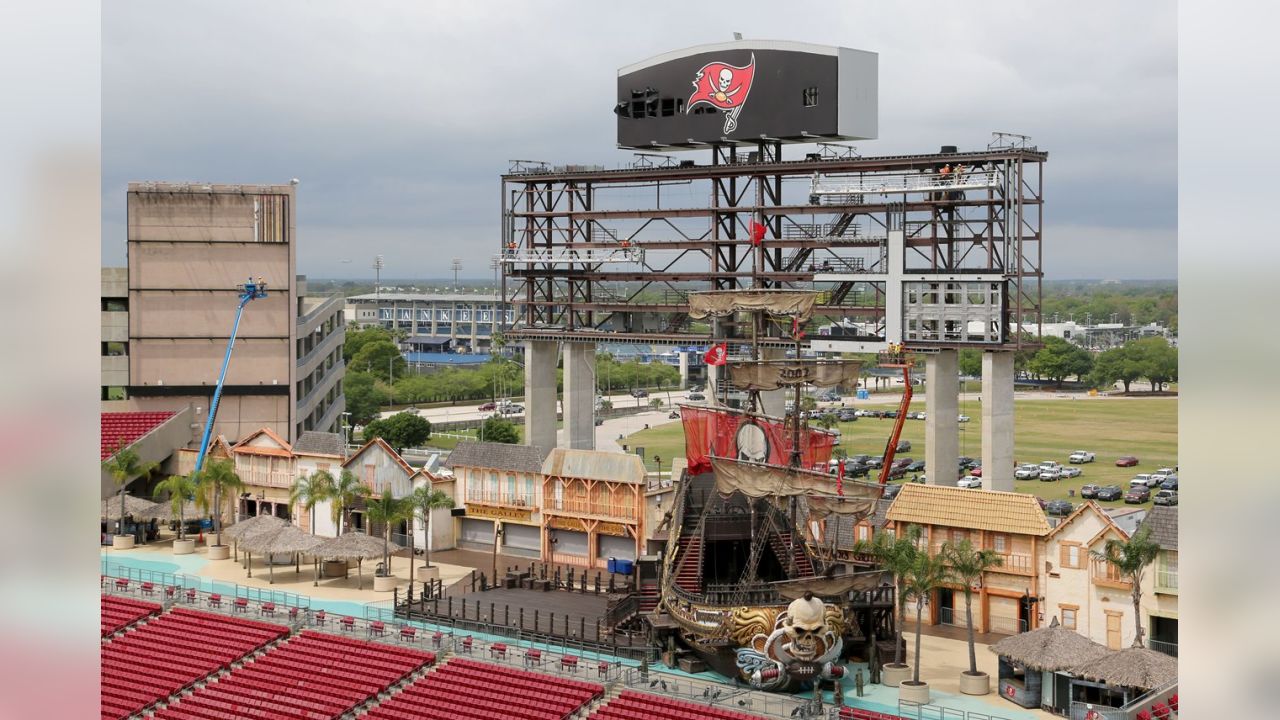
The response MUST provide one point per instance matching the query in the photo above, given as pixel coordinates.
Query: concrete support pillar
(941, 426)
(579, 396)
(774, 402)
(540, 393)
(684, 370)
(997, 421)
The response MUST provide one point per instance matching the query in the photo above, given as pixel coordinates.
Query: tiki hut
(252, 526)
(134, 507)
(1119, 677)
(1031, 660)
(353, 545)
(286, 540)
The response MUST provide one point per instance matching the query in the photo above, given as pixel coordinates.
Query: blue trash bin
(624, 566)
(863, 394)
(612, 565)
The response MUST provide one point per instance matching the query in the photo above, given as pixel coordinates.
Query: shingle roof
(1163, 521)
(844, 524)
(594, 465)
(498, 456)
(965, 508)
(314, 442)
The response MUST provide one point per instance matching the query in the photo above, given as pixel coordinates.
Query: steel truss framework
(610, 255)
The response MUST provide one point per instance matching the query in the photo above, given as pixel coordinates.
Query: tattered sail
(791, 303)
(757, 480)
(771, 374)
(834, 586)
(854, 503)
(728, 433)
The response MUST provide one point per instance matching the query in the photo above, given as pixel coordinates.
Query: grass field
(1043, 430)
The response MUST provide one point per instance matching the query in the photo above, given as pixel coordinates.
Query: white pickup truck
(1081, 456)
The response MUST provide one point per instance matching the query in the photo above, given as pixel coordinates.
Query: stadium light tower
(377, 276)
(457, 265)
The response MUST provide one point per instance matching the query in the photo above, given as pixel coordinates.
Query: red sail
(741, 436)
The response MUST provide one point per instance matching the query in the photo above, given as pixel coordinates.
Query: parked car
(1144, 480)
(1137, 494)
(1081, 456)
(511, 409)
(1110, 492)
(847, 415)
(1058, 507)
(1050, 474)
(1069, 472)
(862, 413)
(1127, 461)
(875, 462)
(1042, 502)
(976, 471)
(1166, 497)
(901, 463)
(1027, 472)
(696, 397)
(639, 393)
(831, 395)
(967, 462)
(915, 467)
(1050, 465)
(1089, 491)
(491, 405)
(969, 482)
(891, 491)
(1164, 473)
(903, 446)
(1169, 483)
(860, 459)
(891, 414)
(963, 418)
(600, 421)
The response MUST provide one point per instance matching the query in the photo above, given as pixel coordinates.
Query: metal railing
(1168, 648)
(927, 711)
(591, 508)
(907, 182)
(475, 495)
(1166, 580)
(1008, 626)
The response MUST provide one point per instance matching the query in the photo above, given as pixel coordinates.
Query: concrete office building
(434, 323)
(189, 246)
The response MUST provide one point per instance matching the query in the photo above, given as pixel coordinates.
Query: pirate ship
(745, 583)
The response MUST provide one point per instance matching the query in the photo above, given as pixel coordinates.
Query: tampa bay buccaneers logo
(723, 86)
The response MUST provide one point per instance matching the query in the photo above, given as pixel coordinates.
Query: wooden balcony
(585, 507)
(517, 500)
(1105, 574)
(264, 478)
(1167, 582)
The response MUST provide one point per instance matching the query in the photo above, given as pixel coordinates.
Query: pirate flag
(718, 354)
(725, 87)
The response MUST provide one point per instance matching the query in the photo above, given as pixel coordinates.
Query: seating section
(125, 428)
(159, 658)
(463, 689)
(119, 612)
(632, 705)
(849, 713)
(313, 676)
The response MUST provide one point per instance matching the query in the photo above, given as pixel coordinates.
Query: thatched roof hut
(254, 525)
(1134, 667)
(285, 540)
(353, 545)
(163, 510)
(133, 505)
(1051, 649)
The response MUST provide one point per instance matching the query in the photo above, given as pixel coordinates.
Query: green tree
(970, 362)
(217, 481)
(426, 498)
(355, 341)
(895, 555)
(1157, 360)
(826, 421)
(808, 403)
(926, 574)
(311, 491)
(1059, 359)
(181, 489)
(1116, 365)
(379, 358)
(1130, 558)
(968, 566)
(363, 395)
(655, 403)
(125, 465)
(348, 491)
(387, 510)
(402, 430)
(500, 430)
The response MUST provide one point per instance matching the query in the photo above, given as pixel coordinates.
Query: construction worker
(957, 173)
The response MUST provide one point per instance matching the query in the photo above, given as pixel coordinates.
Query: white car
(963, 418)
(969, 482)
(1163, 473)
(1050, 465)
(1027, 472)
(1050, 474)
(1070, 472)
(859, 413)
(1144, 480)
(1081, 456)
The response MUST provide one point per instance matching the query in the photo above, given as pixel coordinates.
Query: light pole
(346, 427)
(457, 265)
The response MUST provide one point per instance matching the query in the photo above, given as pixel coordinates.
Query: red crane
(896, 357)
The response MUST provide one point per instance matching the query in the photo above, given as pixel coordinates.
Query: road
(472, 411)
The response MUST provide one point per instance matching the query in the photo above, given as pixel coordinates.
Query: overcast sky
(399, 117)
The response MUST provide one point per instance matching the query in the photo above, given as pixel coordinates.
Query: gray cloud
(399, 117)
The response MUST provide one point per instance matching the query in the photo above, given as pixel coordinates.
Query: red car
(1127, 461)
(976, 472)
(489, 406)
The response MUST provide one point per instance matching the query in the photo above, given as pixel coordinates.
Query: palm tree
(1131, 558)
(926, 574)
(387, 510)
(968, 565)
(181, 488)
(426, 498)
(347, 491)
(310, 491)
(895, 555)
(217, 476)
(124, 465)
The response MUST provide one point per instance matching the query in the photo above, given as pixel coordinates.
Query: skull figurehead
(805, 627)
(725, 79)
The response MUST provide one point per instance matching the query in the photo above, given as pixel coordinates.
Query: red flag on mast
(840, 479)
(717, 354)
(757, 232)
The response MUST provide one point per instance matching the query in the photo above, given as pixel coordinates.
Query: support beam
(997, 421)
(684, 370)
(540, 393)
(579, 396)
(941, 426)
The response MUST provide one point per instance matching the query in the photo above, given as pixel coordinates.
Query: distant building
(167, 317)
(434, 323)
